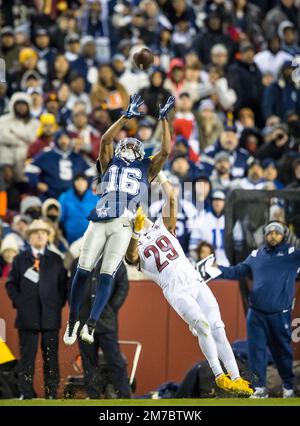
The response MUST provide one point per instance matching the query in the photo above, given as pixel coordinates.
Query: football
(143, 58)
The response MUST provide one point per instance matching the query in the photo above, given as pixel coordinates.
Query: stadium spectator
(51, 172)
(37, 287)
(204, 250)
(155, 93)
(14, 189)
(251, 139)
(59, 72)
(228, 142)
(210, 125)
(285, 10)
(145, 134)
(17, 132)
(220, 178)
(213, 34)
(28, 59)
(246, 20)
(105, 337)
(86, 139)
(246, 80)
(45, 133)
(271, 174)
(277, 144)
(109, 92)
(36, 94)
(175, 77)
(184, 168)
(31, 206)
(18, 230)
(46, 53)
(253, 180)
(270, 60)
(295, 184)
(282, 95)
(185, 124)
(209, 226)
(8, 251)
(9, 51)
(76, 204)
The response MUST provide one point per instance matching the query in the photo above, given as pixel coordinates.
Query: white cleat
(260, 393)
(87, 334)
(70, 335)
(288, 393)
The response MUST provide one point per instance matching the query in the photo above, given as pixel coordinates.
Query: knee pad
(201, 326)
(85, 263)
(111, 264)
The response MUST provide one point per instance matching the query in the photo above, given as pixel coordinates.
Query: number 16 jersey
(162, 258)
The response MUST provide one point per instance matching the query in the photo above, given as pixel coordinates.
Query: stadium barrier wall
(169, 350)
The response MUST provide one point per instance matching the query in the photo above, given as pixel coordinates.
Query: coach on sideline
(273, 268)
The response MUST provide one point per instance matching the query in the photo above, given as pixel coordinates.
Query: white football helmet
(130, 149)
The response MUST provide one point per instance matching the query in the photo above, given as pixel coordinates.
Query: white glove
(206, 269)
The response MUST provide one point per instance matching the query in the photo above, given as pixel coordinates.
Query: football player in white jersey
(155, 249)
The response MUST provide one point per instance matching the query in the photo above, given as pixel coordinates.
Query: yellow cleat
(225, 383)
(242, 387)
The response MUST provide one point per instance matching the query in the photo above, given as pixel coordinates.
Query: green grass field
(159, 402)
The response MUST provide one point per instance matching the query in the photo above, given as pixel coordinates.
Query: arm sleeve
(238, 271)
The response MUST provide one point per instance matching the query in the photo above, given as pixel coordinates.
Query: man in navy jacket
(273, 268)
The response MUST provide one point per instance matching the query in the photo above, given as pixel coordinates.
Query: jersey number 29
(162, 244)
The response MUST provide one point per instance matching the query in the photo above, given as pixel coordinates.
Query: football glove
(138, 223)
(165, 109)
(133, 108)
(206, 269)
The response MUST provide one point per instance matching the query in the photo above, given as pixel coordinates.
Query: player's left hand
(133, 108)
(139, 220)
(165, 109)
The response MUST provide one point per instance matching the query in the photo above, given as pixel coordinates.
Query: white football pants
(198, 307)
(110, 239)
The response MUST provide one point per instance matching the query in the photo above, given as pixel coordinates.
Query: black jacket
(108, 321)
(39, 304)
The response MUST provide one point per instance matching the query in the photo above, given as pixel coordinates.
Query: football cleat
(225, 383)
(260, 393)
(87, 334)
(70, 335)
(243, 387)
(288, 393)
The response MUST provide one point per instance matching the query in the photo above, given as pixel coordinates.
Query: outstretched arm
(169, 211)
(106, 151)
(159, 159)
(132, 255)
(106, 148)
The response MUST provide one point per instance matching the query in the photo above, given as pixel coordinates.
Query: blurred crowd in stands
(231, 64)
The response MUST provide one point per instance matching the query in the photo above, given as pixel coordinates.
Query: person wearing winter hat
(45, 134)
(9, 249)
(37, 287)
(31, 206)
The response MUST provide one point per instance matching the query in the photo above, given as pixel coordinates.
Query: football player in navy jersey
(125, 175)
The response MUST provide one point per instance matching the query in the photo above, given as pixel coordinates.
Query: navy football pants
(274, 331)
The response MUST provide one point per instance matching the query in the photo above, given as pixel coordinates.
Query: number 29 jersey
(162, 258)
